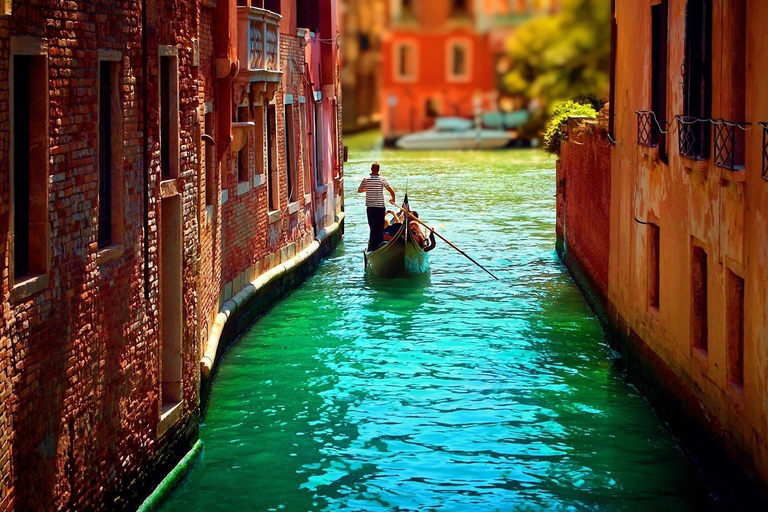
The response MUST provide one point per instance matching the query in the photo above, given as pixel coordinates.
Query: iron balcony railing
(693, 137)
(258, 32)
(648, 129)
(729, 143)
(765, 150)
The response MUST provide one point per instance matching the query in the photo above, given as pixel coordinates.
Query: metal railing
(729, 143)
(765, 150)
(693, 137)
(648, 129)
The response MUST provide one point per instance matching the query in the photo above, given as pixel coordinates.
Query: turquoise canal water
(451, 393)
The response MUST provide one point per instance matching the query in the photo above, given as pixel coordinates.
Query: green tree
(557, 58)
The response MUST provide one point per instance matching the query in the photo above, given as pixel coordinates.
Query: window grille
(693, 137)
(729, 144)
(647, 130)
(765, 150)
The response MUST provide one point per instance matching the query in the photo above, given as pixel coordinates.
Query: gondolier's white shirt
(374, 191)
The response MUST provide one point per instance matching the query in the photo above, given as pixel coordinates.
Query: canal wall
(587, 204)
(258, 296)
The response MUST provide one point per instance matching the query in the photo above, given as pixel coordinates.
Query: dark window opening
(659, 16)
(210, 163)
(406, 8)
(165, 117)
(272, 5)
(243, 156)
(697, 80)
(654, 266)
(105, 155)
(319, 150)
(404, 64)
(290, 155)
(272, 189)
(30, 165)
(459, 8)
(308, 14)
(699, 318)
(459, 60)
(21, 143)
(734, 318)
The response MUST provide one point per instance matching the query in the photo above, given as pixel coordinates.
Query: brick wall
(81, 425)
(584, 200)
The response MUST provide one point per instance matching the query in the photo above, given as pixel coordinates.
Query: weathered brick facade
(100, 347)
(584, 200)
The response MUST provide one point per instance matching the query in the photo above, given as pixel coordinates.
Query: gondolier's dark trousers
(376, 223)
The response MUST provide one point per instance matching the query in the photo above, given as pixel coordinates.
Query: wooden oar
(441, 237)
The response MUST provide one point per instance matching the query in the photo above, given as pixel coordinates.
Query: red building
(159, 169)
(443, 58)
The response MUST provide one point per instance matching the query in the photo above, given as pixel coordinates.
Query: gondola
(401, 256)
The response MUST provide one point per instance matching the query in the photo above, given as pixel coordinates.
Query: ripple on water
(451, 392)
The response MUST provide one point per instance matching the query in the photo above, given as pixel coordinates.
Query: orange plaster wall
(726, 212)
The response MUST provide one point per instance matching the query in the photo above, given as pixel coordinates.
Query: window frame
(172, 54)
(410, 76)
(114, 63)
(451, 47)
(32, 282)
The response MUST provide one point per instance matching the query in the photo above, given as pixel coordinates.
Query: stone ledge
(28, 287)
(108, 254)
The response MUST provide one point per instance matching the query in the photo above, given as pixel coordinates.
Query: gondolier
(374, 186)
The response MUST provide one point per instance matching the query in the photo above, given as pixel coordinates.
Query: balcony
(729, 144)
(765, 150)
(647, 129)
(693, 136)
(258, 43)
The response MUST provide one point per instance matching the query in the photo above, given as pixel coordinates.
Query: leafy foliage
(553, 136)
(559, 57)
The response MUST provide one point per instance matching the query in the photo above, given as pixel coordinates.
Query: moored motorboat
(455, 133)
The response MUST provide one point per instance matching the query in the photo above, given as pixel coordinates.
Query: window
(659, 17)
(319, 181)
(308, 14)
(459, 8)
(260, 121)
(458, 61)
(304, 151)
(406, 9)
(29, 141)
(699, 320)
(272, 186)
(171, 303)
(405, 60)
(697, 80)
(244, 155)
(291, 161)
(210, 162)
(734, 319)
(654, 245)
(169, 116)
(110, 156)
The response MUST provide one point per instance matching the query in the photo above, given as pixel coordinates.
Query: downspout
(145, 137)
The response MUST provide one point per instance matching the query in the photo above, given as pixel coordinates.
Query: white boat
(455, 133)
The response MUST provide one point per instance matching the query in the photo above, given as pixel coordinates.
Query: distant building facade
(153, 164)
(446, 58)
(363, 23)
(667, 226)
